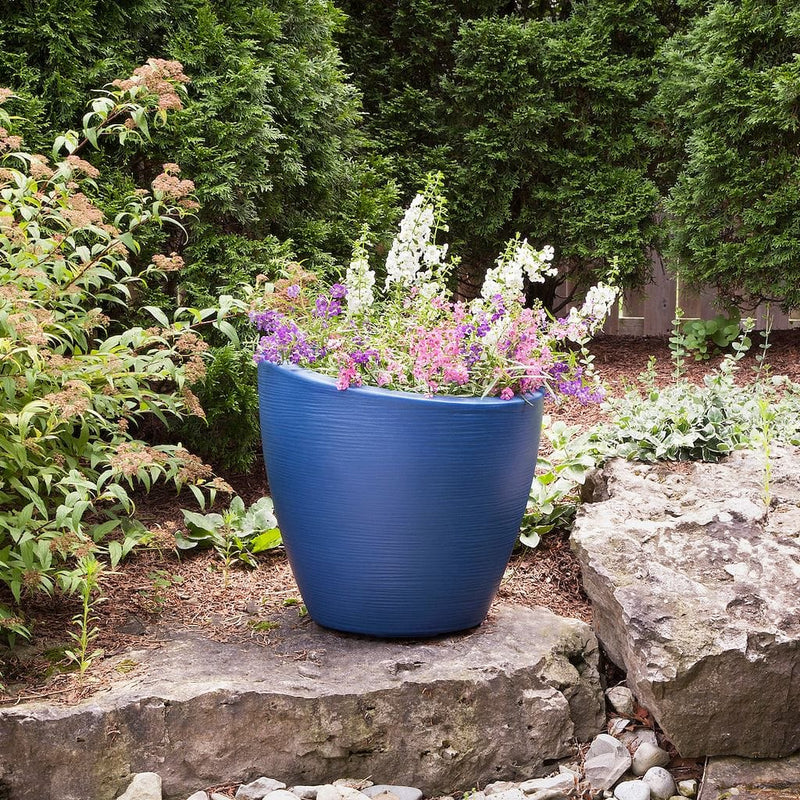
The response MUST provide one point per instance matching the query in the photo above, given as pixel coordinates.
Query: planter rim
(325, 380)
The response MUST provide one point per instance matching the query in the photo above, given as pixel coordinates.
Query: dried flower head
(158, 77)
(78, 166)
(171, 263)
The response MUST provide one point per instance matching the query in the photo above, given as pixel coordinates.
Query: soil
(154, 585)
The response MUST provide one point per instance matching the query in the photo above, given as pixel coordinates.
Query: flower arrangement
(411, 337)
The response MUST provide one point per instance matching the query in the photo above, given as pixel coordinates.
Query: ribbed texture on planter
(398, 511)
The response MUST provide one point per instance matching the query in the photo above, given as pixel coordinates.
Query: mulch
(156, 585)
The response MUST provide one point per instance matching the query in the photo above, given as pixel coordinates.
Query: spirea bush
(73, 387)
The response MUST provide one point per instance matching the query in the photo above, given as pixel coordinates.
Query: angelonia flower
(519, 261)
(412, 337)
(412, 247)
(359, 281)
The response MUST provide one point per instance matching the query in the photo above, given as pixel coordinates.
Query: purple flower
(483, 327)
(499, 306)
(326, 308)
(338, 291)
(364, 356)
(293, 291)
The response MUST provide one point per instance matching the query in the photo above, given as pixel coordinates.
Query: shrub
(73, 388)
(229, 436)
(272, 139)
(729, 99)
(687, 422)
(533, 110)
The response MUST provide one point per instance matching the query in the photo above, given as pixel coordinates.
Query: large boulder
(694, 585)
(494, 703)
(744, 779)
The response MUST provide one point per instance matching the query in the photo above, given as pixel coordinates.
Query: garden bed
(154, 586)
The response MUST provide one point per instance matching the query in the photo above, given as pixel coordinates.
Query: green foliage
(238, 533)
(729, 102)
(687, 422)
(706, 337)
(555, 493)
(73, 387)
(271, 139)
(230, 435)
(535, 113)
(87, 580)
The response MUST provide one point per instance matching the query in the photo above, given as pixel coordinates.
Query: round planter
(398, 511)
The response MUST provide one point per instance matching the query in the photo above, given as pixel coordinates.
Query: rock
(687, 788)
(348, 792)
(564, 782)
(646, 756)
(499, 786)
(275, 794)
(198, 796)
(218, 796)
(328, 792)
(400, 792)
(635, 738)
(508, 794)
(305, 792)
(501, 701)
(701, 609)
(632, 790)
(746, 779)
(260, 788)
(353, 783)
(548, 794)
(662, 786)
(144, 786)
(606, 760)
(621, 700)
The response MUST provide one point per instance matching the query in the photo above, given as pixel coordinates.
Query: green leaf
(266, 541)
(531, 540)
(158, 315)
(202, 522)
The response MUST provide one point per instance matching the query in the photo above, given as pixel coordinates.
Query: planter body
(398, 511)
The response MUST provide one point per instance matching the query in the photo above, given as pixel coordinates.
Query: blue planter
(398, 511)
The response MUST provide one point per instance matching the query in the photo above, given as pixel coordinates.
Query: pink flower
(506, 394)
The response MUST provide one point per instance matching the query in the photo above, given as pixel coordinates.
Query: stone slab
(694, 586)
(494, 703)
(745, 779)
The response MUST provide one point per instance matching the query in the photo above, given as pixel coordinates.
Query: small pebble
(259, 789)
(509, 794)
(647, 756)
(500, 786)
(328, 792)
(305, 792)
(400, 792)
(198, 796)
(662, 786)
(144, 786)
(563, 782)
(632, 790)
(688, 788)
(621, 700)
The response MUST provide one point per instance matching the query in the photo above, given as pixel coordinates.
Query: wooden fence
(651, 311)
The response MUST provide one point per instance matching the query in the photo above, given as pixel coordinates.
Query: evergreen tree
(731, 101)
(270, 137)
(534, 111)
